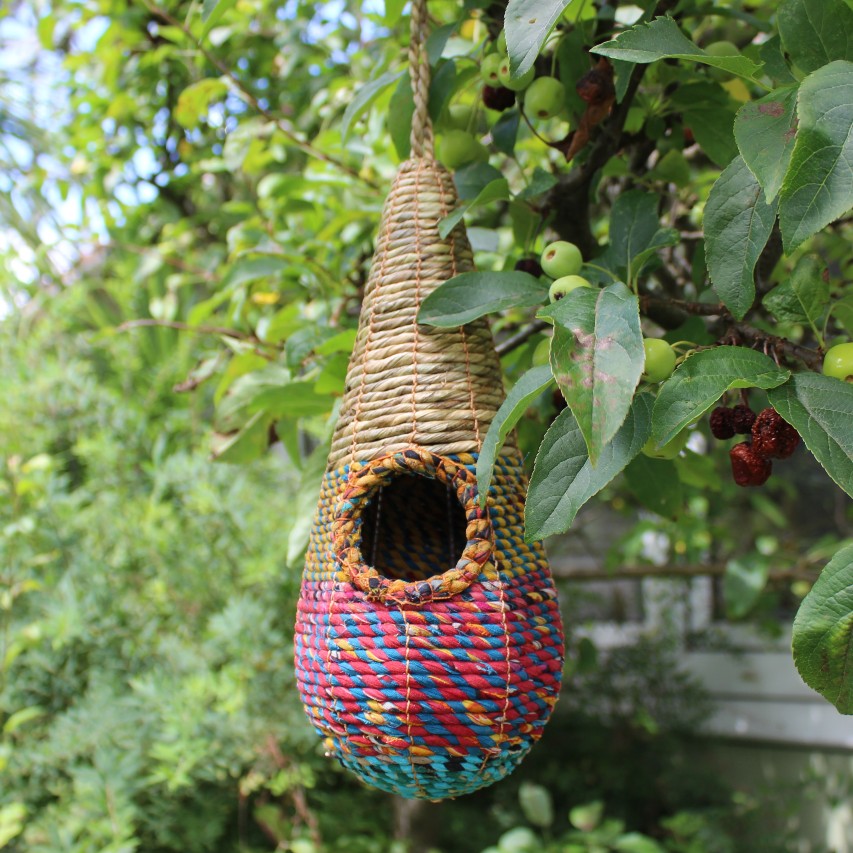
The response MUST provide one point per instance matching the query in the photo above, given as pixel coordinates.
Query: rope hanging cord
(421, 137)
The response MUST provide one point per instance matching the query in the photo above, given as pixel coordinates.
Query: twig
(250, 98)
(756, 337)
(199, 330)
(520, 337)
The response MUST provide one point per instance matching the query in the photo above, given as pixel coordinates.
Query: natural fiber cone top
(408, 383)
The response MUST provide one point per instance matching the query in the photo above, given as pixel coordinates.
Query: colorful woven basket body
(429, 646)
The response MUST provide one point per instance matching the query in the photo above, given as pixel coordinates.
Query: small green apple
(565, 285)
(545, 97)
(561, 258)
(458, 148)
(838, 362)
(660, 360)
(516, 84)
(669, 450)
(490, 69)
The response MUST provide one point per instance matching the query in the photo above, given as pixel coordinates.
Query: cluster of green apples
(543, 98)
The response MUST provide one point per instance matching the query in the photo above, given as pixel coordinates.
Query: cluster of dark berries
(770, 438)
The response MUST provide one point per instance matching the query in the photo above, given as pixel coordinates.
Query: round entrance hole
(413, 529)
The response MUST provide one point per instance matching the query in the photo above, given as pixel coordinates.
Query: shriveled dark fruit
(748, 467)
(529, 265)
(772, 436)
(722, 423)
(498, 98)
(596, 86)
(742, 419)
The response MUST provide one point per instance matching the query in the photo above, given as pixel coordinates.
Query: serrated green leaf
(662, 39)
(564, 478)
(743, 583)
(803, 296)
(527, 24)
(738, 224)
(815, 32)
(817, 188)
(765, 131)
(364, 97)
(522, 394)
(655, 484)
(775, 65)
(495, 191)
(823, 633)
(597, 358)
(470, 295)
(702, 378)
(820, 408)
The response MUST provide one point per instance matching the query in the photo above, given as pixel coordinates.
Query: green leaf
(523, 393)
(656, 485)
(842, 311)
(540, 183)
(505, 131)
(738, 224)
(400, 111)
(393, 12)
(587, 817)
(662, 39)
(765, 131)
(12, 819)
(194, 101)
(495, 191)
(803, 296)
(564, 478)
(818, 187)
(820, 408)
(536, 804)
(816, 32)
(597, 358)
(364, 97)
(527, 24)
(823, 633)
(470, 295)
(633, 842)
(294, 400)
(247, 444)
(702, 378)
(213, 11)
(775, 65)
(743, 583)
(305, 505)
(713, 127)
(634, 225)
(473, 179)
(249, 269)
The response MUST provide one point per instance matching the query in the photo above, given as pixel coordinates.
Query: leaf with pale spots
(597, 358)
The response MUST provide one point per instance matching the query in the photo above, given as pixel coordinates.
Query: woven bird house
(429, 645)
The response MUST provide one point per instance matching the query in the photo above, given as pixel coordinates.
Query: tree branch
(199, 330)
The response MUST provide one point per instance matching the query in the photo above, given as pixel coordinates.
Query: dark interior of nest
(412, 529)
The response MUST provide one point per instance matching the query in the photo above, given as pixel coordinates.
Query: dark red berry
(722, 423)
(742, 419)
(748, 467)
(529, 265)
(498, 98)
(772, 436)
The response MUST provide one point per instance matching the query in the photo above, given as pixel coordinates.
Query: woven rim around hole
(346, 529)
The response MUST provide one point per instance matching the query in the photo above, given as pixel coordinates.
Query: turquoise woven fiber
(432, 702)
